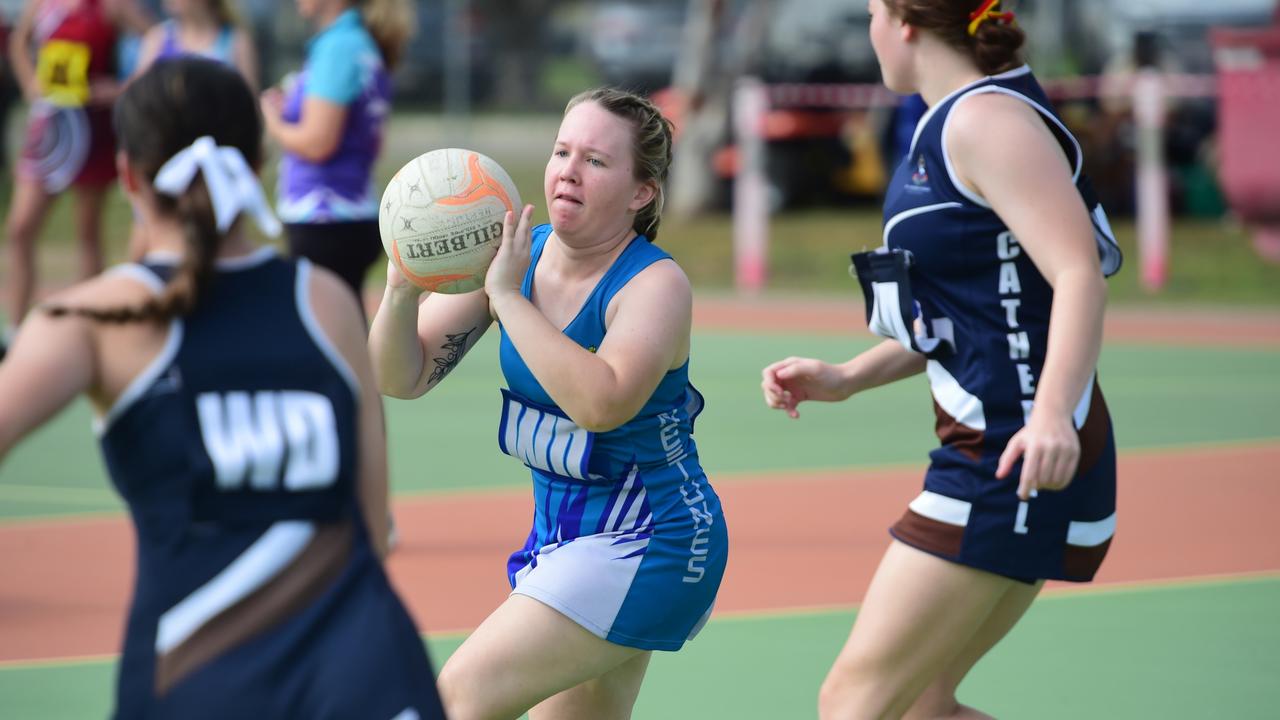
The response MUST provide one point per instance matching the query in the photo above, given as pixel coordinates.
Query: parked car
(635, 44)
(818, 41)
(1101, 30)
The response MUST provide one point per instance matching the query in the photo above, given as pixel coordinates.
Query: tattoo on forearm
(455, 345)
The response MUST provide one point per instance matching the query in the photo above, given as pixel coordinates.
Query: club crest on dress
(920, 177)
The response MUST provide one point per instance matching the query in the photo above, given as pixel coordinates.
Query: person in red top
(63, 56)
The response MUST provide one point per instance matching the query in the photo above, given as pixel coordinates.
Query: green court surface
(1159, 396)
(1207, 650)
(1176, 651)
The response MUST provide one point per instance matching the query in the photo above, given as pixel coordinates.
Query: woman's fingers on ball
(446, 241)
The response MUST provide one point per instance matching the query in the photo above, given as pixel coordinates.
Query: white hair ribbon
(233, 186)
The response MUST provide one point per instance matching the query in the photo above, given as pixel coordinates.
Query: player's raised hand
(506, 272)
(787, 383)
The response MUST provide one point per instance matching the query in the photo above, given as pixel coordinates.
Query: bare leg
(26, 216)
(920, 613)
(526, 652)
(608, 697)
(89, 204)
(939, 699)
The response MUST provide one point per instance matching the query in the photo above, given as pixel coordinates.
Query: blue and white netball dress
(628, 537)
(258, 593)
(952, 283)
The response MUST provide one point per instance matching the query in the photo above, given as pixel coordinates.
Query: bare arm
(340, 319)
(1029, 184)
(245, 57)
(887, 362)
(131, 16)
(415, 341)
(647, 336)
(315, 136)
(51, 363)
(20, 52)
(148, 50)
(789, 382)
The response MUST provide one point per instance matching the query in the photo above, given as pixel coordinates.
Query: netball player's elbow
(602, 415)
(1092, 286)
(397, 393)
(598, 421)
(9, 437)
(319, 145)
(393, 388)
(1083, 281)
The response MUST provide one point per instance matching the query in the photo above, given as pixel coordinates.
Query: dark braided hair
(161, 113)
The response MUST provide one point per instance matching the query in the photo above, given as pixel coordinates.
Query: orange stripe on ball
(480, 182)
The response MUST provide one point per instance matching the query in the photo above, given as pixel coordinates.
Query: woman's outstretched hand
(787, 383)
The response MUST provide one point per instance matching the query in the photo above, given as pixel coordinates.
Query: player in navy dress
(238, 418)
(991, 280)
(628, 544)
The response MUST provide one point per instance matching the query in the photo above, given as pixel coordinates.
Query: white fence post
(1152, 179)
(750, 188)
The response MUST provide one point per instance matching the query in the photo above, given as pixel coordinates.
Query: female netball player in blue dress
(628, 544)
(991, 281)
(238, 417)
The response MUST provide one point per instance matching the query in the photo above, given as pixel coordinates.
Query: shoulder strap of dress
(639, 255)
(144, 274)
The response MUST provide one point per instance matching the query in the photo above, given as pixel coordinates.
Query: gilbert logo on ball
(441, 218)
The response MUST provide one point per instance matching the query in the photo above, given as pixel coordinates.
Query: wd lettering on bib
(268, 438)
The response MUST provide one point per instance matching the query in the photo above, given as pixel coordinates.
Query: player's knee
(856, 688)
(843, 697)
(934, 703)
(21, 232)
(461, 698)
(452, 695)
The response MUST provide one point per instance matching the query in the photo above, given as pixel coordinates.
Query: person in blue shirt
(628, 544)
(238, 418)
(991, 281)
(330, 120)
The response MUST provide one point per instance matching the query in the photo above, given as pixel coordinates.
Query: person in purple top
(201, 28)
(329, 122)
(207, 28)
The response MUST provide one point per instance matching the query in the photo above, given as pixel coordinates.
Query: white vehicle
(1101, 30)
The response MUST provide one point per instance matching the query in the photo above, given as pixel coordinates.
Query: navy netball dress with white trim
(952, 283)
(258, 593)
